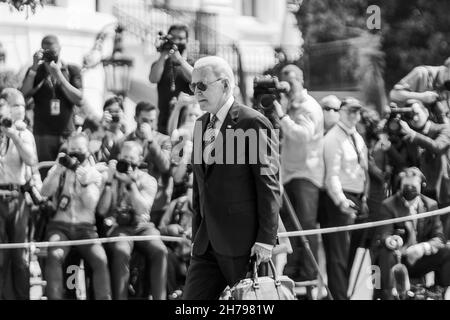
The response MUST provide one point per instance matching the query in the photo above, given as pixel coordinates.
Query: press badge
(55, 109)
(64, 203)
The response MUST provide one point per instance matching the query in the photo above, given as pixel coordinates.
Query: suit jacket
(428, 229)
(234, 204)
(434, 158)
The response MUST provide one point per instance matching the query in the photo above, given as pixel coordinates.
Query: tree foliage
(413, 32)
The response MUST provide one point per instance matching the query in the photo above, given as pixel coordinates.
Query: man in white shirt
(302, 167)
(235, 203)
(17, 151)
(346, 166)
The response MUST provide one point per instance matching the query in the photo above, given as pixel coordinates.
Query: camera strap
(4, 146)
(59, 191)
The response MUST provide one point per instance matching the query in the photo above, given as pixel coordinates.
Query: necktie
(352, 136)
(209, 138)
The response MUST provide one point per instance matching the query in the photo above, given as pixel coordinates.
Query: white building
(254, 26)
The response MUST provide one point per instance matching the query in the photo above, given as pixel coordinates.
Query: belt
(356, 195)
(10, 187)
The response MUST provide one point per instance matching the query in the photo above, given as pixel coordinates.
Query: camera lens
(6, 122)
(122, 166)
(115, 118)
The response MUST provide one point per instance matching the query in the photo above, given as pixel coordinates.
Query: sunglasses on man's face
(330, 109)
(202, 86)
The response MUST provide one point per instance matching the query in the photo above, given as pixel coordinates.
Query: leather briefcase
(263, 288)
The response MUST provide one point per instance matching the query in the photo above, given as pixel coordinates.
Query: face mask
(94, 146)
(81, 157)
(409, 192)
(123, 166)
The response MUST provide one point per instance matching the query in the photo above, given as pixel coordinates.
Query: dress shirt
(343, 170)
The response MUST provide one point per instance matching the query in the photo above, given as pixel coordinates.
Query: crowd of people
(341, 163)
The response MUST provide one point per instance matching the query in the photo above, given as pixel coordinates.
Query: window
(249, 8)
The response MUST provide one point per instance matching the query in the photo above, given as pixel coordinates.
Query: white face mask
(94, 146)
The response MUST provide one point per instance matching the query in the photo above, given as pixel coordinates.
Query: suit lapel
(197, 156)
(229, 122)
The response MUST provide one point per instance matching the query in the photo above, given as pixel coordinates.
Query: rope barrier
(365, 225)
(290, 234)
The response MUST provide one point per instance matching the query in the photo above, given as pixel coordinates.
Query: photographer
(156, 153)
(302, 165)
(17, 153)
(346, 182)
(172, 71)
(128, 197)
(421, 242)
(428, 84)
(74, 184)
(433, 141)
(56, 88)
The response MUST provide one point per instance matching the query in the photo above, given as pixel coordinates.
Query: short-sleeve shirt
(172, 70)
(44, 121)
(421, 79)
(12, 167)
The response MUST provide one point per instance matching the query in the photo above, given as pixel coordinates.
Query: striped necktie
(209, 138)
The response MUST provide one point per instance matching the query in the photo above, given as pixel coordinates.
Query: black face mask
(409, 192)
(123, 166)
(81, 157)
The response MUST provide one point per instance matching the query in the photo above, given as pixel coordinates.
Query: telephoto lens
(122, 166)
(115, 118)
(6, 122)
(69, 162)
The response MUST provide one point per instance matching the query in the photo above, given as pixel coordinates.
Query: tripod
(305, 243)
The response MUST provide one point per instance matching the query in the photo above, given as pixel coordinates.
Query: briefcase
(263, 288)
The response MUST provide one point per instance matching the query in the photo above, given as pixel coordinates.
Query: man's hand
(278, 109)
(347, 206)
(54, 69)
(174, 230)
(147, 131)
(429, 96)
(176, 56)
(111, 170)
(414, 253)
(9, 132)
(262, 254)
(87, 176)
(106, 119)
(37, 58)
(406, 130)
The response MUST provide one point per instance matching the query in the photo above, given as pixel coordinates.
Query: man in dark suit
(424, 247)
(236, 189)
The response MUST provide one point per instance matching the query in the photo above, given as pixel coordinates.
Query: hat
(351, 104)
(331, 101)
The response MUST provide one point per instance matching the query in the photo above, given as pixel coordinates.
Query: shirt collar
(414, 204)
(223, 111)
(346, 129)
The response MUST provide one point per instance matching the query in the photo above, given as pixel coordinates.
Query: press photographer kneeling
(74, 183)
(128, 198)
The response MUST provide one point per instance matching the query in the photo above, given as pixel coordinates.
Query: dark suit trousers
(338, 247)
(210, 273)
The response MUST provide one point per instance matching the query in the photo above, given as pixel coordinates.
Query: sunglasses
(201, 85)
(330, 109)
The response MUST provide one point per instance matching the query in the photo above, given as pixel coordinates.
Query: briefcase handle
(255, 273)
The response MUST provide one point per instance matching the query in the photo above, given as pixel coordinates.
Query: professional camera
(115, 118)
(49, 56)
(6, 122)
(393, 127)
(167, 43)
(266, 90)
(123, 166)
(69, 162)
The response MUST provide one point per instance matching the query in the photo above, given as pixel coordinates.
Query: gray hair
(218, 66)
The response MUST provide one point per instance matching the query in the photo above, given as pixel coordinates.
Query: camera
(123, 166)
(49, 56)
(33, 192)
(6, 122)
(167, 43)
(267, 89)
(115, 118)
(125, 216)
(69, 162)
(393, 127)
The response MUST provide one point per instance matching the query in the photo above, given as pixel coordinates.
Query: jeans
(93, 254)
(304, 196)
(14, 264)
(154, 251)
